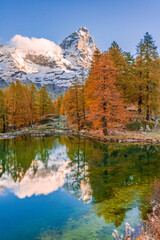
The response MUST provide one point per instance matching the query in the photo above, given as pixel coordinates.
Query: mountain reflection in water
(112, 180)
(45, 177)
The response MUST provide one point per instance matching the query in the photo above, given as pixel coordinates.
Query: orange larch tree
(105, 106)
(33, 102)
(72, 104)
(17, 104)
(25, 104)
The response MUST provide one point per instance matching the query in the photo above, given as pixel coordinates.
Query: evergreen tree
(124, 64)
(117, 56)
(148, 73)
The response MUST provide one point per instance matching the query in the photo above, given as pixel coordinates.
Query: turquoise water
(70, 188)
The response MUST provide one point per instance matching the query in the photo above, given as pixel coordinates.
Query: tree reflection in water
(114, 178)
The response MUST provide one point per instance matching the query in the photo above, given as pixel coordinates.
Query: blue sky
(124, 21)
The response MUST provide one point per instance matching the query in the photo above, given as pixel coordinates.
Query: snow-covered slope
(78, 48)
(43, 62)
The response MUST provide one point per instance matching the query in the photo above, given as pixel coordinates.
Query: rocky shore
(128, 138)
(32, 133)
(53, 124)
(42, 132)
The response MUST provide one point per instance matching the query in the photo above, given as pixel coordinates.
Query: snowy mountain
(78, 48)
(43, 62)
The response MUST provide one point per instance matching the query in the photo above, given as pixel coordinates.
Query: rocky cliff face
(78, 48)
(54, 67)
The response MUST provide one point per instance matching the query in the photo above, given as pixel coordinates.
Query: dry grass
(151, 228)
(152, 225)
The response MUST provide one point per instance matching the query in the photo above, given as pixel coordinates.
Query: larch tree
(105, 105)
(22, 105)
(82, 99)
(2, 112)
(21, 102)
(10, 102)
(43, 101)
(72, 104)
(57, 104)
(33, 102)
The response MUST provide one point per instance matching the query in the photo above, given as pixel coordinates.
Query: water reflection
(49, 170)
(113, 179)
(119, 175)
(43, 181)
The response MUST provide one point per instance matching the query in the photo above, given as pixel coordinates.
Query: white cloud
(39, 45)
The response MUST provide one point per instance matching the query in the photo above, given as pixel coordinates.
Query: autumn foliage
(20, 105)
(115, 81)
(105, 105)
(97, 103)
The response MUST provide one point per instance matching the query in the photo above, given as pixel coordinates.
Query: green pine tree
(148, 73)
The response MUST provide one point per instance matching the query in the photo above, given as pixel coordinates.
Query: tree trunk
(140, 104)
(77, 111)
(148, 107)
(84, 113)
(104, 122)
(140, 97)
(148, 113)
(84, 109)
(4, 125)
(140, 100)
(105, 132)
(78, 121)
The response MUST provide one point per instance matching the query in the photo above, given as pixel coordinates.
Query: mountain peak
(43, 62)
(78, 48)
(83, 29)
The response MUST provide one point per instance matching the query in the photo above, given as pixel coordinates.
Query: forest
(116, 81)
(20, 106)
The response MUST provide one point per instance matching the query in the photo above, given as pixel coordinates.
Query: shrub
(135, 126)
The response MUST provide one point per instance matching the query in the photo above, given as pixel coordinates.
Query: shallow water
(70, 188)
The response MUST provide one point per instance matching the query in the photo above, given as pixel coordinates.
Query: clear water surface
(70, 188)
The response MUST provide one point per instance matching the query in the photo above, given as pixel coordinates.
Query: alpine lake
(71, 188)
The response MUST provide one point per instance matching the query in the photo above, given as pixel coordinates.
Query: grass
(154, 135)
(135, 126)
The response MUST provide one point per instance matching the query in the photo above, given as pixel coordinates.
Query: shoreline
(32, 133)
(119, 139)
(139, 139)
